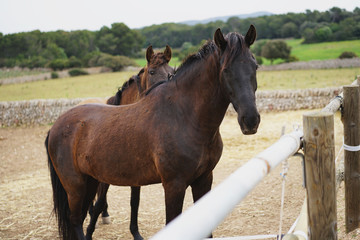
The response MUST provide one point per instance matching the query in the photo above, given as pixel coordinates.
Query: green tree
(257, 46)
(323, 34)
(107, 43)
(289, 30)
(52, 51)
(119, 40)
(80, 43)
(276, 49)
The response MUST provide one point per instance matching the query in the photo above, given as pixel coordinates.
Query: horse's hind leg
(102, 190)
(76, 218)
(79, 202)
(101, 193)
(100, 205)
(134, 203)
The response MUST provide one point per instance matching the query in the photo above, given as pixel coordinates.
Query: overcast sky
(51, 15)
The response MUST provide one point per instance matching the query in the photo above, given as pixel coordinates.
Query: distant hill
(225, 18)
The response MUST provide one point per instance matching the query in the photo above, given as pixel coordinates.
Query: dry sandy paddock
(25, 189)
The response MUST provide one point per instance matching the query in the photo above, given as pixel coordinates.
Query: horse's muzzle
(249, 124)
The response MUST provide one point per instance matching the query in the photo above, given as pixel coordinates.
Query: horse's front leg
(174, 199)
(201, 186)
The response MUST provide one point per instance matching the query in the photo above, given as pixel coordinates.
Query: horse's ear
(149, 53)
(220, 40)
(250, 35)
(167, 53)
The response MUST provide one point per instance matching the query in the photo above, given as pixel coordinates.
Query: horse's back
(93, 100)
(91, 137)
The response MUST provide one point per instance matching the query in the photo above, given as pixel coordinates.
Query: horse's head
(238, 76)
(157, 68)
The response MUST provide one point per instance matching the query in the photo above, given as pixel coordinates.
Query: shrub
(116, 63)
(7, 62)
(91, 59)
(59, 64)
(54, 75)
(34, 62)
(37, 62)
(74, 62)
(274, 49)
(323, 34)
(259, 60)
(175, 53)
(257, 46)
(292, 58)
(347, 55)
(77, 72)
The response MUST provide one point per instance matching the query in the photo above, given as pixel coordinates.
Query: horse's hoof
(106, 220)
(139, 237)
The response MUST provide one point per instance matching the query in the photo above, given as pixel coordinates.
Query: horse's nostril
(250, 122)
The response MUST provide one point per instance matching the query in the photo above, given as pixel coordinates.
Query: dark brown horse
(156, 70)
(176, 141)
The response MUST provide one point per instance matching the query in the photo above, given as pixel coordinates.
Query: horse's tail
(61, 205)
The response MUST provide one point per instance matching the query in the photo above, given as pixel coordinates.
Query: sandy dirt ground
(26, 194)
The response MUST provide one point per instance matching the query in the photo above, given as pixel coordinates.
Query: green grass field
(106, 84)
(322, 51)
(304, 52)
(97, 85)
(303, 79)
(318, 51)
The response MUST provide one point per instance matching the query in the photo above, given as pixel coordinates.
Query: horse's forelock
(235, 46)
(157, 60)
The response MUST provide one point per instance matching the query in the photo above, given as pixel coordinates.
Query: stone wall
(35, 112)
(286, 100)
(314, 64)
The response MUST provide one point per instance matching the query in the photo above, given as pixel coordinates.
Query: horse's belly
(127, 173)
(139, 178)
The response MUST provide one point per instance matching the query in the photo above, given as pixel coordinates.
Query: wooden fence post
(351, 121)
(319, 149)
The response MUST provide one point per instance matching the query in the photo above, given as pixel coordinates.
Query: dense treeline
(333, 25)
(108, 46)
(61, 49)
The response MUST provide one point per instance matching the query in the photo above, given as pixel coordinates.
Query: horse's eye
(152, 72)
(226, 71)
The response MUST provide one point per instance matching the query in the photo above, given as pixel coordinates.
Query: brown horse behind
(170, 136)
(156, 70)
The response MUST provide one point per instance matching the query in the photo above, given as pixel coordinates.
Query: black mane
(115, 100)
(208, 48)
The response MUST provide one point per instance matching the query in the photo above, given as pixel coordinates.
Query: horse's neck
(206, 102)
(130, 94)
